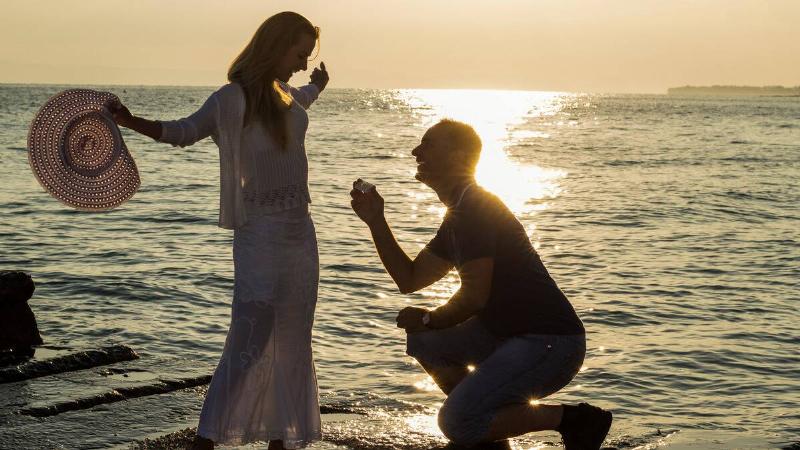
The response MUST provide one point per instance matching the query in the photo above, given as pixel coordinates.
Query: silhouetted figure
(508, 336)
(264, 387)
(18, 330)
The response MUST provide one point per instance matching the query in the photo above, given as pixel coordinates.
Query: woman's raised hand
(320, 77)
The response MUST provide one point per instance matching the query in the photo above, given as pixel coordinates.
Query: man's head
(449, 150)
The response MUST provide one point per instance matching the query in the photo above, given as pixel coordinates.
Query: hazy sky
(571, 45)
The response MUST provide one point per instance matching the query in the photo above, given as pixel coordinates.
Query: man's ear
(459, 160)
(453, 155)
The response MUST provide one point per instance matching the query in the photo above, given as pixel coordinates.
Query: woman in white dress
(264, 387)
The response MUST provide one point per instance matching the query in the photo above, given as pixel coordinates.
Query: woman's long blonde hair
(254, 71)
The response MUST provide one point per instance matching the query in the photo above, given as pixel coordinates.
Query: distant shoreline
(760, 91)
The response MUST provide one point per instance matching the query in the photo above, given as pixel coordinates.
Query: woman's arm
(183, 132)
(124, 118)
(306, 95)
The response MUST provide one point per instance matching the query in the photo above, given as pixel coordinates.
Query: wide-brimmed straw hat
(77, 153)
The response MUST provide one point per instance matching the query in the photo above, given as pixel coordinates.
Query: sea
(671, 223)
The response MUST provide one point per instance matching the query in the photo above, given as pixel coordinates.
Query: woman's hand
(368, 206)
(320, 77)
(122, 116)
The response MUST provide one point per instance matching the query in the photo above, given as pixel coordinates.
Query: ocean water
(672, 224)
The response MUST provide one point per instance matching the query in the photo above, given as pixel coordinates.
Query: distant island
(770, 91)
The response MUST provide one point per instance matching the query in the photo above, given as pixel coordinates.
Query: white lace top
(255, 175)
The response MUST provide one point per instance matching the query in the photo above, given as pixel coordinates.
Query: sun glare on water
(494, 115)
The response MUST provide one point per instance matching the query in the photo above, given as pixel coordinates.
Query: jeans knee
(460, 425)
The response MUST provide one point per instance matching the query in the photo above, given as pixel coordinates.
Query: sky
(620, 46)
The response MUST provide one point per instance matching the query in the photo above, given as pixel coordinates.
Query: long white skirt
(265, 387)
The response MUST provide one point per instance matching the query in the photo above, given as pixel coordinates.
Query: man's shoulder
(477, 194)
(485, 211)
(480, 202)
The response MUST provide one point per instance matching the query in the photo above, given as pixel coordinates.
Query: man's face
(435, 156)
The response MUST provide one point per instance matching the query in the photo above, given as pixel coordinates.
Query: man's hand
(369, 206)
(410, 318)
(320, 77)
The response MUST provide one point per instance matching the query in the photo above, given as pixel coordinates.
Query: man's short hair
(464, 139)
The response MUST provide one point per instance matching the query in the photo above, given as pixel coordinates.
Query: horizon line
(12, 83)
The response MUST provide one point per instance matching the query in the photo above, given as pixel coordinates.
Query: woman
(264, 387)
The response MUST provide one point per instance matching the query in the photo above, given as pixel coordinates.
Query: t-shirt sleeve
(437, 245)
(476, 235)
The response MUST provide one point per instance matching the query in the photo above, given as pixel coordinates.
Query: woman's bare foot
(201, 443)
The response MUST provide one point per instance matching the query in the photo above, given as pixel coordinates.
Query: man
(509, 335)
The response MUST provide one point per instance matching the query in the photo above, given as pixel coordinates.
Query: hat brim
(77, 153)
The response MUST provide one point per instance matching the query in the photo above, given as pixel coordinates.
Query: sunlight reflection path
(494, 115)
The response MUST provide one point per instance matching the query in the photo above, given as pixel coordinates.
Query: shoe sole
(608, 418)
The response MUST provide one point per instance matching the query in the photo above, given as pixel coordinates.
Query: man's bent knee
(461, 426)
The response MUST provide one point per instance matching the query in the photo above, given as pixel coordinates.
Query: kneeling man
(509, 335)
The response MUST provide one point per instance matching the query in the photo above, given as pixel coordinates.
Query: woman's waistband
(297, 213)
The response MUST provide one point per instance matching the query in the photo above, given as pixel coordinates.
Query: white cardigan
(222, 118)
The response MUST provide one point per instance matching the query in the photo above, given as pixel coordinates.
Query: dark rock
(333, 409)
(108, 371)
(67, 363)
(16, 356)
(161, 386)
(18, 330)
(15, 286)
(117, 395)
(72, 405)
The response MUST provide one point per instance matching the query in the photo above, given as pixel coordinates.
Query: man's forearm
(397, 263)
(458, 309)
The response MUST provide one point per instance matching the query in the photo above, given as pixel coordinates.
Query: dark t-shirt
(524, 298)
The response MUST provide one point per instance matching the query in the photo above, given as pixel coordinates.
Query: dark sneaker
(588, 429)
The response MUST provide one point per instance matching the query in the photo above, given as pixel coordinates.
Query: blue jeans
(507, 372)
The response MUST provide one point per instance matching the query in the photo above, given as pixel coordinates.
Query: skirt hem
(248, 438)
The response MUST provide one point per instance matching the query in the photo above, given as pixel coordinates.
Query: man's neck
(450, 190)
